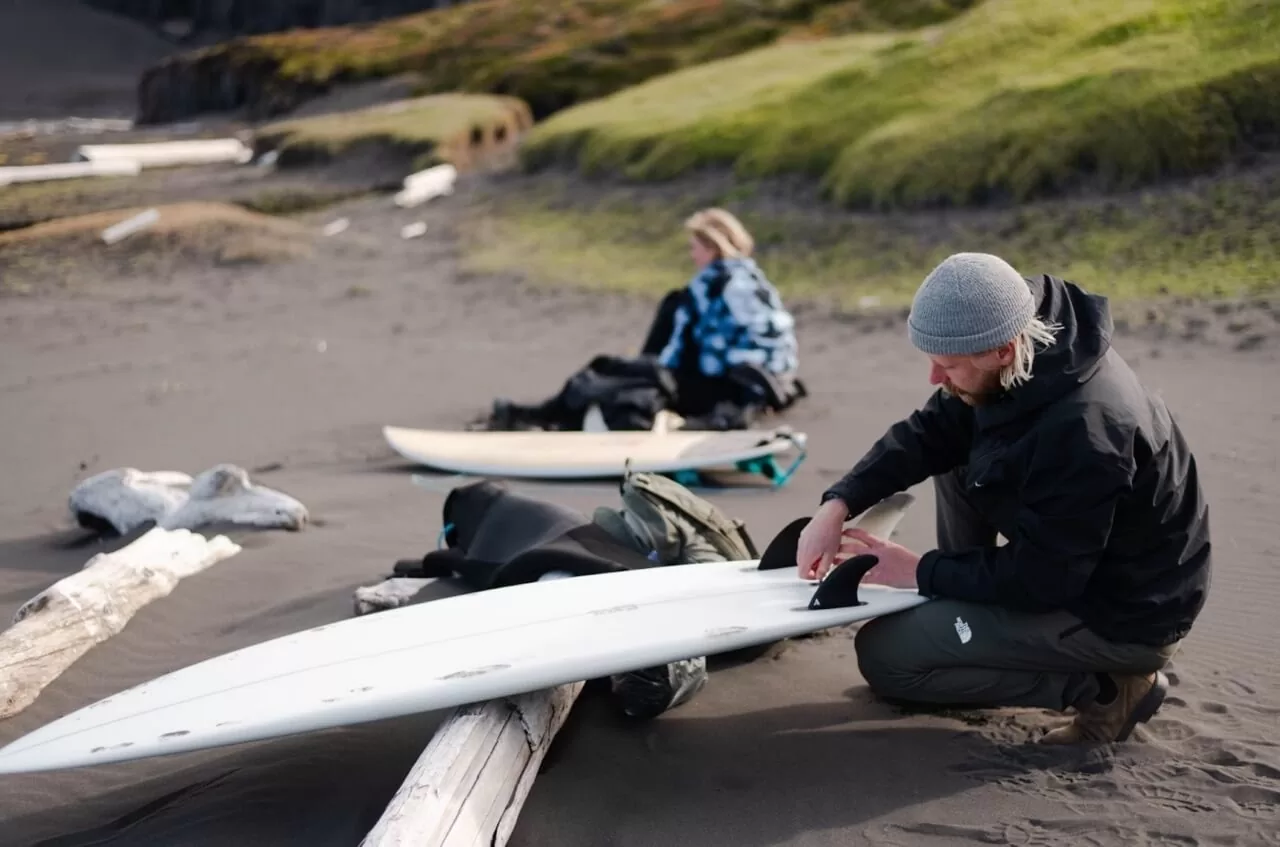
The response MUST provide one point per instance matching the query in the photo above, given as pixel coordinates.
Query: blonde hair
(1024, 352)
(721, 230)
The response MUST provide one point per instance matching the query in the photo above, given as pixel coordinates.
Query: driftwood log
(13, 174)
(124, 499)
(426, 184)
(469, 784)
(60, 624)
(119, 231)
(391, 593)
(165, 154)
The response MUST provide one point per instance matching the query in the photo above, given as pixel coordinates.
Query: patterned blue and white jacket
(737, 317)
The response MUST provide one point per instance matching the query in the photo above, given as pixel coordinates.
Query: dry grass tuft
(70, 251)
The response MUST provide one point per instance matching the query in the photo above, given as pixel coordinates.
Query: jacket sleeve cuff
(835, 494)
(854, 502)
(927, 572)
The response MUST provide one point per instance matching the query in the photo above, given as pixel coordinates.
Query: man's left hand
(897, 567)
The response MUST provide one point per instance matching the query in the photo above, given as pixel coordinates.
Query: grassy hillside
(550, 54)
(1013, 100)
(456, 128)
(1214, 238)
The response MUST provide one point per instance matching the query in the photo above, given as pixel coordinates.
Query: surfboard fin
(839, 589)
(781, 552)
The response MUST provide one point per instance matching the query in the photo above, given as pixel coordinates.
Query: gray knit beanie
(970, 303)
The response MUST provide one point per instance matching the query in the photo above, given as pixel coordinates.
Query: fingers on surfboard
(839, 588)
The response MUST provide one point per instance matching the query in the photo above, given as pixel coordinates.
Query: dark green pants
(949, 652)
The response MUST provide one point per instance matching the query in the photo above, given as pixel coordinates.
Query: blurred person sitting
(721, 351)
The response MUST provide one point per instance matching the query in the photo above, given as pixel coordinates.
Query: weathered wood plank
(162, 154)
(470, 783)
(14, 174)
(60, 624)
(391, 593)
(549, 710)
(426, 184)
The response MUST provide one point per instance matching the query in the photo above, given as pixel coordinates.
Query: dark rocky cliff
(211, 81)
(258, 16)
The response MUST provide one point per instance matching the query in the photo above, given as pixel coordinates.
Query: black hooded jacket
(1081, 469)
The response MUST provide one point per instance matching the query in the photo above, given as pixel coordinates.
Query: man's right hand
(820, 540)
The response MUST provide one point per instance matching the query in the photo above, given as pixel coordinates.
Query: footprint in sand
(1204, 772)
(1233, 687)
(1065, 832)
(1171, 729)
(1175, 800)
(1256, 802)
(1265, 771)
(894, 835)
(1245, 755)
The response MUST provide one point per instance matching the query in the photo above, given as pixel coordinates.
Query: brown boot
(1137, 699)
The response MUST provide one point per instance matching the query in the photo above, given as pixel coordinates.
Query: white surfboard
(584, 455)
(464, 649)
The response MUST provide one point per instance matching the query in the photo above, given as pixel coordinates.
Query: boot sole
(1147, 706)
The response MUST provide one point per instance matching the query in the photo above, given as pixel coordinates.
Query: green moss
(1014, 100)
(890, 14)
(550, 54)
(1211, 238)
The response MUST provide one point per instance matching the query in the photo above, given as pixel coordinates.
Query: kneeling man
(1038, 432)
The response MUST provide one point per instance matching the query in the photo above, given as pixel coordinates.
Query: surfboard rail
(564, 455)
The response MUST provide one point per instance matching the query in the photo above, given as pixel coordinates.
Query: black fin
(781, 552)
(840, 587)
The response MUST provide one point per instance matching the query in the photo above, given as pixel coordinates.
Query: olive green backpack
(666, 521)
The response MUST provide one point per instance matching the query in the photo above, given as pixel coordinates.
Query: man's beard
(991, 393)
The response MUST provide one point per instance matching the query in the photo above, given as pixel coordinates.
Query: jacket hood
(1081, 343)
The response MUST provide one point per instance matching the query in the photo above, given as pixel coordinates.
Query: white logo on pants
(962, 630)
